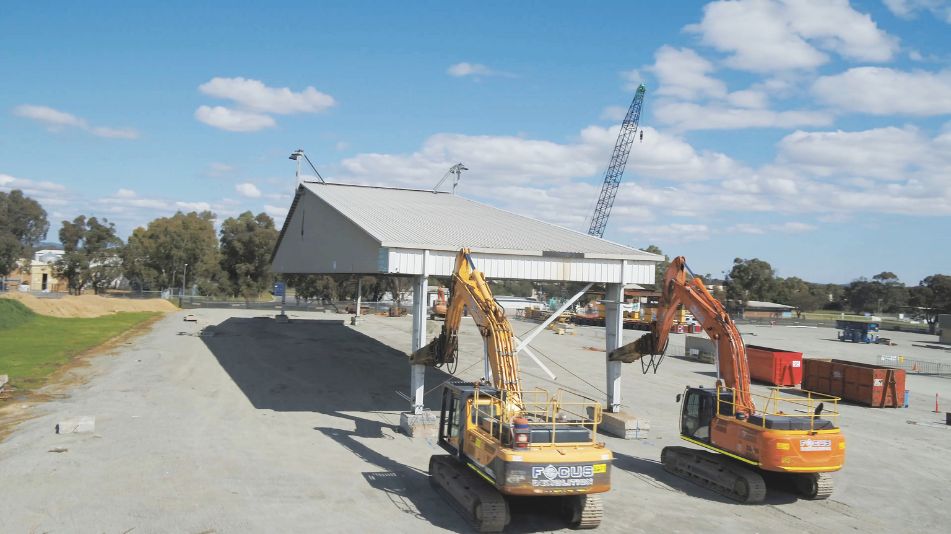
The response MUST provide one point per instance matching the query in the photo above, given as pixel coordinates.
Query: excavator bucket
(632, 352)
(437, 352)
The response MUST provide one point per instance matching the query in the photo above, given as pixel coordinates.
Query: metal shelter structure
(363, 230)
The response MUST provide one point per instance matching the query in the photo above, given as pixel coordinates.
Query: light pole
(296, 156)
(182, 294)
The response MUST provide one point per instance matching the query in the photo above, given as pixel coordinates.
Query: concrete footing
(85, 423)
(355, 320)
(624, 424)
(281, 318)
(421, 425)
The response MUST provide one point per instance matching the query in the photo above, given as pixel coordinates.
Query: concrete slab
(624, 425)
(77, 425)
(269, 427)
(281, 318)
(424, 425)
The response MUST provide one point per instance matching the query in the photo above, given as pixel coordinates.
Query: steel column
(614, 329)
(418, 372)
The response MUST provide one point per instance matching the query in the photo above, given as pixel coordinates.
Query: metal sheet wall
(405, 261)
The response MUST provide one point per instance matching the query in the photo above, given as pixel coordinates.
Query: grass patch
(13, 313)
(33, 347)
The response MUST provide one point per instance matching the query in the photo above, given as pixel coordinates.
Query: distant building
(755, 309)
(37, 274)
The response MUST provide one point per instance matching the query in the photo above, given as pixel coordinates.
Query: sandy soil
(88, 305)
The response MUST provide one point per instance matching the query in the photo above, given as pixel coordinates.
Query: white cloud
(248, 189)
(791, 227)
(683, 116)
(682, 73)
(254, 102)
(253, 95)
(883, 153)
(885, 91)
(908, 9)
(56, 120)
(497, 161)
(193, 206)
(632, 79)
(125, 193)
(476, 70)
(233, 120)
(669, 233)
(771, 35)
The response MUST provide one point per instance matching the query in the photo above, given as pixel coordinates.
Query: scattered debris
(84, 423)
(59, 449)
(594, 349)
(191, 317)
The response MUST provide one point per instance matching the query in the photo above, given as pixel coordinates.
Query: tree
(92, 254)
(155, 256)
(660, 268)
(23, 224)
(884, 293)
(246, 245)
(752, 279)
(931, 298)
(796, 292)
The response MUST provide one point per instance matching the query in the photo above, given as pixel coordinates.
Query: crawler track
(814, 486)
(585, 511)
(716, 472)
(475, 499)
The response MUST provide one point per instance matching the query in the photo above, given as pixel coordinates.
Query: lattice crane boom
(615, 170)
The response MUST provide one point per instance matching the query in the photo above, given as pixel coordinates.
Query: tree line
(186, 250)
(183, 250)
(884, 293)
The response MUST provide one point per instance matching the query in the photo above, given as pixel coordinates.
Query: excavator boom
(677, 290)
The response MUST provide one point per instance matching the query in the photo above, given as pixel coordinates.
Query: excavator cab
(698, 409)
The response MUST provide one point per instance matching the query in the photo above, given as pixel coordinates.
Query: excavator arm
(469, 290)
(713, 318)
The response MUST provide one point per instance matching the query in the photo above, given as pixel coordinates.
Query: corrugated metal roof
(767, 305)
(417, 219)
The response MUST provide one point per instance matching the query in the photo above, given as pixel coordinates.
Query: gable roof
(421, 219)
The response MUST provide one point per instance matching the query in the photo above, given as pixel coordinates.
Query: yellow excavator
(502, 440)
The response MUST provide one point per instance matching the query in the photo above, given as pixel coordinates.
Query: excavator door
(699, 407)
(452, 419)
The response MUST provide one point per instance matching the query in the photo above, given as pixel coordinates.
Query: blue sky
(815, 135)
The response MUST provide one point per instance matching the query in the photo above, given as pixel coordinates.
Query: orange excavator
(439, 306)
(504, 440)
(790, 437)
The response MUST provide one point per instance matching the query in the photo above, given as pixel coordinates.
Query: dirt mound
(88, 305)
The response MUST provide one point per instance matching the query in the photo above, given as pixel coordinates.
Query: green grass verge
(33, 347)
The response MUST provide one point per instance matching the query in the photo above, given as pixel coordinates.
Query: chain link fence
(914, 366)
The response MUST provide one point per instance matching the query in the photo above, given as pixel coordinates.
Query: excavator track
(814, 486)
(716, 472)
(585, 511)
(475, 499)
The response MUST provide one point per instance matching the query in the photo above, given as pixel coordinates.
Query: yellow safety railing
(797, 406)
(563, 409)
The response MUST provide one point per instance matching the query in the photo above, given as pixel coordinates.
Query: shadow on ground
(779, 490)
(324, 366)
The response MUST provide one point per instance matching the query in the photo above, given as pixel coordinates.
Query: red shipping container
(872, 385)
(774, 366)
